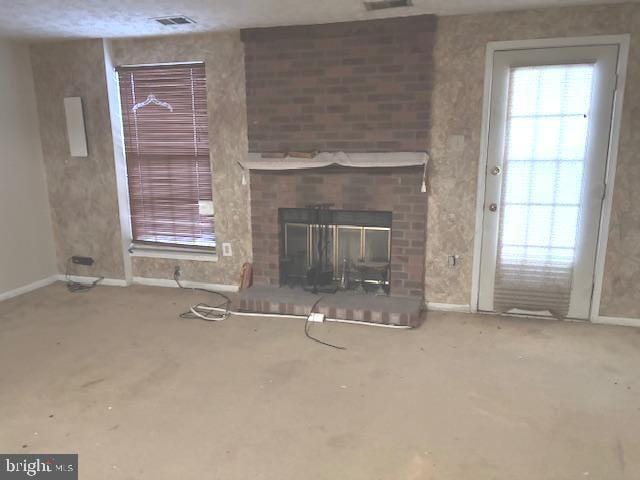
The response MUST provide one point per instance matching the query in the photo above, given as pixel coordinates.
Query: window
(164, 113)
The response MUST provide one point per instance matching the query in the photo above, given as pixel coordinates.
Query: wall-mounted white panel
(75, 126)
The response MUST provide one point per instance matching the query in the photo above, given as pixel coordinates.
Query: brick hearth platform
(405, 311)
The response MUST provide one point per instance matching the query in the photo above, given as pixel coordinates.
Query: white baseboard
(151, 282)
(114, 282)
(108, 282)
(28, 288)
(620, 321)
(166, 282)
(447, 307)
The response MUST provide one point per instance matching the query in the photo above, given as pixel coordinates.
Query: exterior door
(549, 130)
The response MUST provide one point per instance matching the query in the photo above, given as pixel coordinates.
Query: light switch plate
(226, 250)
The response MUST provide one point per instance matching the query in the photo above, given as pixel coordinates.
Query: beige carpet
(115, 376)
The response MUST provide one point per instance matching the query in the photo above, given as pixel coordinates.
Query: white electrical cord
(206, 313)
(222, 311)
(226, 313)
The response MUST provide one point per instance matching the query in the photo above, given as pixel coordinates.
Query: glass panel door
(551, 111)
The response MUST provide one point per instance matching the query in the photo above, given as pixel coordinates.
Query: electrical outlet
(316, 317)
(80, 260)
(453, 261)
(226, 250)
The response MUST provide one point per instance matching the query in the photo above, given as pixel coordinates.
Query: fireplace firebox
(323, 250)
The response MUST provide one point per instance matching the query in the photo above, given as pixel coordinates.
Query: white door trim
(622, 41)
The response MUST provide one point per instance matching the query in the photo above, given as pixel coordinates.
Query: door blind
(164, 113)
(540, 215)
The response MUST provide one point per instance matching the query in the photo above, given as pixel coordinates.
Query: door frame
(622, 41)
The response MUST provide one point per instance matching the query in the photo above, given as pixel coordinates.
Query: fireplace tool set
(320, 275)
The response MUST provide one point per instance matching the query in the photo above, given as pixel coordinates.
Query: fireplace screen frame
(336, 261)
(363, 222)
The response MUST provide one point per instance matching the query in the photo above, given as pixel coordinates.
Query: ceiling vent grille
(384, 4)
(174, 20)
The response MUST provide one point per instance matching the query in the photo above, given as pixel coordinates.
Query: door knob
(493, 207)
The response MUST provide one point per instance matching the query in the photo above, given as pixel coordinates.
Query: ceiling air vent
(384, 4)
(174, 20)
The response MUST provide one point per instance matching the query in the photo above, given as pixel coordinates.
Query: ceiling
(55, 19)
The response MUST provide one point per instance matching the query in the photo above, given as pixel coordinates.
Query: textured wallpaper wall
(455, 140)
(224, 62)
(82, 191)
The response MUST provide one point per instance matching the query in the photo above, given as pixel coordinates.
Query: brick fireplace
(355, 87)
(396, 190)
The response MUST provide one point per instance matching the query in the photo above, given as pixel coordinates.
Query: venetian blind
(164, 110)
(540, 219)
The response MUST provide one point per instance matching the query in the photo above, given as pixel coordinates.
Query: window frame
(161, 249)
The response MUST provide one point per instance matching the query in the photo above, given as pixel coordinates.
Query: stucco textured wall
(224, 63)
(455, 139)
(82, 191)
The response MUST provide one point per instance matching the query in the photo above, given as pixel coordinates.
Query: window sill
(174, 253)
